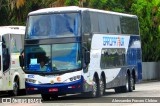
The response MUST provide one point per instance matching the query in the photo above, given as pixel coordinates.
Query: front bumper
(57, 88)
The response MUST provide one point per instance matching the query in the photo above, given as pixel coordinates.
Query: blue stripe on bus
(134, 55)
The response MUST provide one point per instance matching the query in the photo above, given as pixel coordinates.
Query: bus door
(6, 62)
(16, 47)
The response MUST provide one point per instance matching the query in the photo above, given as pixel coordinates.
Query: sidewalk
(147, 81)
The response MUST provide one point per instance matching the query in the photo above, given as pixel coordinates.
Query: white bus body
(85, 50)
(12, 77)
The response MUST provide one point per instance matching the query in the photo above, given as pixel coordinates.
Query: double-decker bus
(81, 50)
(12, 78)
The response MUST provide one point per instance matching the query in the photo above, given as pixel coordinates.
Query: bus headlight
(75, 78)
(32, 81)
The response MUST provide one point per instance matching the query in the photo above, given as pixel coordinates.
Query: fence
(150, 70)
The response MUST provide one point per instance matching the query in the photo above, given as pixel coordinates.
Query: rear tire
(118, 89)
(134, 86)
(126, 87)
(131, 84)
(101, 86)
(94, 92)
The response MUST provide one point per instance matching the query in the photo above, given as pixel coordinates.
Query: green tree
(14, 12)
(0, 4)
(71, 2)
(99, 4)
(148, 12)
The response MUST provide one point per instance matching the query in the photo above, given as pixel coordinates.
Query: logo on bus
(59, 79)
(113, 41)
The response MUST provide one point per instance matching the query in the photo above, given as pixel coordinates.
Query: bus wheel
(118, 89)
(94, 92)
(54, 96)
(45, 97)
(131, 84)
(134, 86)
(125, 88)
(15, 88)
(102, 87)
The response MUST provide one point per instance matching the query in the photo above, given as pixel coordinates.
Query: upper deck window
(53, 26)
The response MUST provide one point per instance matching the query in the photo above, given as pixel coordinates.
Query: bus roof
(75, 9)
(12, 30)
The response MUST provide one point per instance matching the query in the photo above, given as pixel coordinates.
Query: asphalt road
(146, 93)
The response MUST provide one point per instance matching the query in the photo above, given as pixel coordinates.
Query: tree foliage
(14, 12)
(148, 12)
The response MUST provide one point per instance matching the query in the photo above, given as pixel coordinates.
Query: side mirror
(87, 57)
(5, 51)
(21, 61)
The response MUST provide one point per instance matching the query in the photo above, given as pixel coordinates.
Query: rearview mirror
(87, 57)
(21, 61)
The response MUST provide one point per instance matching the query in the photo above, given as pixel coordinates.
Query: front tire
(45, 97)
(54, 96)
(15, 88)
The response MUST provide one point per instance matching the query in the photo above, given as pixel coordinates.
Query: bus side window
(5, 51)
(16, 43)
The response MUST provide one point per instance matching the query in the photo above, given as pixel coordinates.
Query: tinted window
(35, 55)
(66, 56)
(17, 43)
(94, 22)
(86, 22)
(109, 22)
(112, 57)
(53, 58)
(102, 23)
(5, 52)
(53, 25)
(116, 24)
(105, 23)
(129, 25)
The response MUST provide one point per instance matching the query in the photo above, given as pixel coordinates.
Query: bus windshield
(53, 58)
(53, 26)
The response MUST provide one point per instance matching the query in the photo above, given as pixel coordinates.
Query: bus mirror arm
(87, 34)
(21, 61)
(87, 57)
